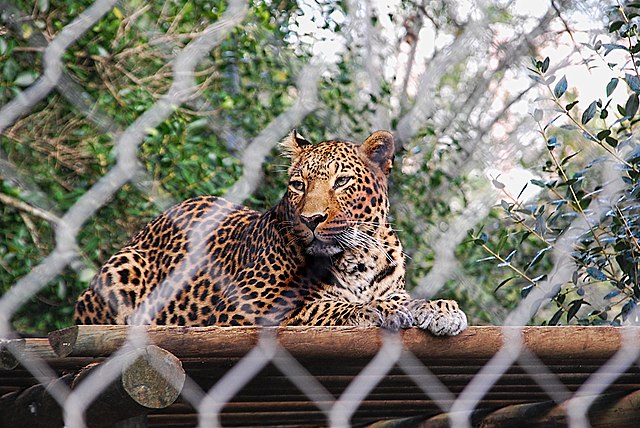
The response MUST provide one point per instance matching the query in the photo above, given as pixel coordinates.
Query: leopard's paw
(440, 317)
(366, 316)
(395, 316)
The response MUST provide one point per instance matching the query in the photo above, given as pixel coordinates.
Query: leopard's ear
(293, 144)
(379, 148)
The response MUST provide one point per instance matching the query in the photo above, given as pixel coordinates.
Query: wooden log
(624, 412)
(153, 381)
(12, 350)
(8, 350)
(514, 415)
(608, 410)
(479, 343)
(32, 407)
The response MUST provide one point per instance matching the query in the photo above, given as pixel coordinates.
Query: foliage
(121, 65)
(597, 201)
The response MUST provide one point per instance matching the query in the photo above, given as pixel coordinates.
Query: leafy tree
(588, 212)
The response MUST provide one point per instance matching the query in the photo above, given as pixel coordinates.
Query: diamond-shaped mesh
(338, 409)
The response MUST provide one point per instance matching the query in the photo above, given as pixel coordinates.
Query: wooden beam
(343, 342)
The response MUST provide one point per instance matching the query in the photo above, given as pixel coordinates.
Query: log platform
(162, 376)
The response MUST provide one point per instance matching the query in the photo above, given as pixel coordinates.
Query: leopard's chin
(323, 249)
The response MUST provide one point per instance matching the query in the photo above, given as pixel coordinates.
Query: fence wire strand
(209, 404)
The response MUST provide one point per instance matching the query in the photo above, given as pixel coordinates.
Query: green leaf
(573, 308)
(612, 294)
(522, 191)
(567, 158)
(615, 26)
(498, 185)
(504, 282)
(537, 115)
(569, 106)
(631, 107)
(621, 110)
(612, 142)
(608, 47)
(539, 255)
(25, 79)
(545, 65)
(561, 87)
(10, 69)
(526, 290)
(589, 113)
(633, 82)
(596, 273)
(627, 309)
(556, 317)
(611, 86)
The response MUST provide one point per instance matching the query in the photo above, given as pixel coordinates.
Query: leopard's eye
(341, 182)
(297, 185)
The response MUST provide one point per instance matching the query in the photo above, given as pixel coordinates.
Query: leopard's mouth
(318, 247)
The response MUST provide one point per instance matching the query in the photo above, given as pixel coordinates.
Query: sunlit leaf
(561, 87)
(633, 82)
(25, 79)
(589, 113)
(612, 46)
(537, 115)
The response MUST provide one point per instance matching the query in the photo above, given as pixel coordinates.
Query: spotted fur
(324, 255)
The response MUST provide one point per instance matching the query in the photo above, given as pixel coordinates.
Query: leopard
(325, 255)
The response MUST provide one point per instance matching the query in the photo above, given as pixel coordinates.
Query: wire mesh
(210, 403)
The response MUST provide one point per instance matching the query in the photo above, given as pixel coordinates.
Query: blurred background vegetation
(511, 173)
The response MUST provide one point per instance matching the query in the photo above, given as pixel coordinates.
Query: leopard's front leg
(440, 317)
(378, 313)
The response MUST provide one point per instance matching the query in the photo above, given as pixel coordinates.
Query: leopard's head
(338, 191)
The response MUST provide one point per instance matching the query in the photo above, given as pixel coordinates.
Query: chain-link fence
(337, 409)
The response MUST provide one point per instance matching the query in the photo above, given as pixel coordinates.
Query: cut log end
(8, 350)
(63, 341)
(155, 379)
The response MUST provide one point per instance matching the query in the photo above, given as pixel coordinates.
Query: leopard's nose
(313, 221)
